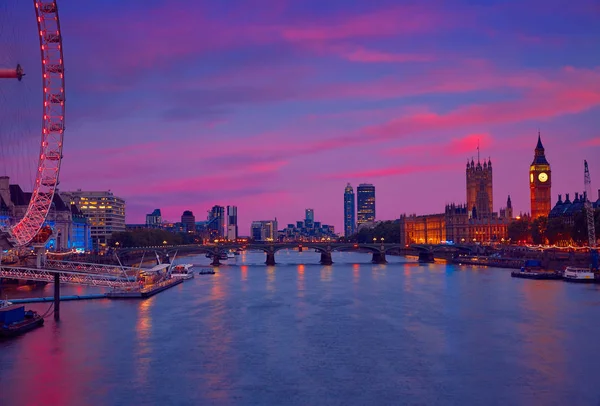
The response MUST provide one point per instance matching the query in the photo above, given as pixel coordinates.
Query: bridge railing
(89, 267)
(74, 278)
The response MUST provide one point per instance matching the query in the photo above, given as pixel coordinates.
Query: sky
(275, 105)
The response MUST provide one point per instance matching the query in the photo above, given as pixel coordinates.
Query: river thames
(349, 334)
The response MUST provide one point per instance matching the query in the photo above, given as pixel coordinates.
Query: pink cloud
(469, 143)
(593, 142)
(378, 23)
(389, 171)
(373, 56)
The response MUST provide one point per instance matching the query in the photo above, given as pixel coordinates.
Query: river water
(348, 334)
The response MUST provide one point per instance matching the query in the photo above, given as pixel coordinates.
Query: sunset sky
(273, 106)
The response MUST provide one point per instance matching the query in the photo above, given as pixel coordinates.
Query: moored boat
(206, 271)
(182, 271)
(580, 275)
(532, 269)
(14, 320)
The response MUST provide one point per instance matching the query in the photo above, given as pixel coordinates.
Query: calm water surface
(348, 334)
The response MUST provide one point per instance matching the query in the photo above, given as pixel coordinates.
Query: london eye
(47, 170)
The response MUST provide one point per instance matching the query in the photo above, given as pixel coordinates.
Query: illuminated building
(70, 229)
(540, 182)
(479, 189)
(475, 221)
(188, 221)
(264, 230)
(427, 229)
(349, 211)
(105, 213)
(216, 222)
(365, 203)
(232, 227)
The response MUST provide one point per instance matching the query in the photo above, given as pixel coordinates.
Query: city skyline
(325, 95)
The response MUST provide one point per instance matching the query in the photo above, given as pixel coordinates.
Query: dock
(146, 292)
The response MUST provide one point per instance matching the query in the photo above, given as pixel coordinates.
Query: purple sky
(275, 105)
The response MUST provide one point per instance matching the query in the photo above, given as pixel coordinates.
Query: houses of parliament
(473, 221)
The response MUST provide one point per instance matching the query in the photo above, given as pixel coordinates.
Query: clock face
(543, 177)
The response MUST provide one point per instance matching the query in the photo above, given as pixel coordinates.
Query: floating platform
(536, 275)
(144, 293)
(62, 298)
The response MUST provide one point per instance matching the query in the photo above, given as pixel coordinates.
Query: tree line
(554, 231)
(149, 237)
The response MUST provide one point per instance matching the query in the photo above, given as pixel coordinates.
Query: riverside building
(105, 213)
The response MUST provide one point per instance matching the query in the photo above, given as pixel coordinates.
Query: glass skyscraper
(365, 203)
(349, 211)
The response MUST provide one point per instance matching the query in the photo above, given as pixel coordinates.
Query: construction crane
(589, 210)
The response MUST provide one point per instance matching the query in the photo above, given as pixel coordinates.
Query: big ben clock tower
(540, 181)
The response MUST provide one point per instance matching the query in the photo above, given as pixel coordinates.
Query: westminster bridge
(379, 250)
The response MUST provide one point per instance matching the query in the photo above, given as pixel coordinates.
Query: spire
(509, 203)
(539, 143)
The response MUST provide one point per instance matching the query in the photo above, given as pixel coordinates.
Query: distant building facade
(264, 230)
(188, 221)
(216, 222)
(540, 182)
(307, 230)
(567, 209)
(105, 213)
(349, 211)
(232, 223)
(365, 203)
(70, 228)
(154, 219)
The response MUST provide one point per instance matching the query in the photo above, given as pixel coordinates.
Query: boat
(230, 255)
(580, 275)
(206, 271)
(532, 269)
(182, 271)
(14, 320)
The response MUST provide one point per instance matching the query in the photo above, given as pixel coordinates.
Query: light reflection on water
(350, 333)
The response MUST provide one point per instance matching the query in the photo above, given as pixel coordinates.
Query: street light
(165, 242)
(374, 239)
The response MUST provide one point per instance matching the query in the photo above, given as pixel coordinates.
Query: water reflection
(544, 345)
(271, 278)
(143, 350)
(216, 289)
(355, 274)
(300, 280)
(244, 269)
(326, 273)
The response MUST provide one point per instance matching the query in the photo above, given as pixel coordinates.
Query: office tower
(232, 227)
(188, 220)
(349, 211)
(365, 203)
(216, 222)
(104, 211)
